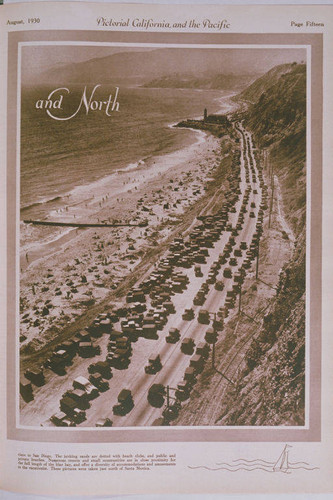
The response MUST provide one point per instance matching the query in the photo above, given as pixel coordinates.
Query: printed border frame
(173, 434)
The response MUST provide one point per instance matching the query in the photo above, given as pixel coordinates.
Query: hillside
(141, 67)
(265, 358)
(278, 122)
(260, 85)
(270, 388)
(220, 81)
(270, 384)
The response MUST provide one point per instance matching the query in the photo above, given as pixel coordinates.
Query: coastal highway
(174, 362)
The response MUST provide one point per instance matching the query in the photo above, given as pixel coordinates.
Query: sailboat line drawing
(282, 464)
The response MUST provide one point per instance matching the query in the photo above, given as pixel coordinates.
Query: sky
(35, 58)
(64, 61)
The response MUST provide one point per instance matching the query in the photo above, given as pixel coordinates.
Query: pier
(84, 225)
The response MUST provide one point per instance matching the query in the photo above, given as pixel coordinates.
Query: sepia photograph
(162, 236)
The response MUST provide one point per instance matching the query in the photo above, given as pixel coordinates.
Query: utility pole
(168, 396)
(213, 348)
(257, 263)
(266, 159)
(213, 356)
(212, 339)
(270, 170)
(272, 196)
(215, 339)
(174, 409)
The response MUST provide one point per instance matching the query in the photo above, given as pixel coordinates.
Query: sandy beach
(77, 268)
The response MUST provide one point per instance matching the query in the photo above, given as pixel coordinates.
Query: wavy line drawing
(256, 460)
(255, 464)
(230, 470)
(282, 464)
(305, 468)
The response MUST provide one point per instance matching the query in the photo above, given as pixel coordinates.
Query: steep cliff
(259, 373)
(270, 383)
(278, 121)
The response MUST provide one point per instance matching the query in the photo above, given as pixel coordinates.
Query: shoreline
(75, 268)
(136, 164)
(227, 105)
(83, 266)
(90, 200)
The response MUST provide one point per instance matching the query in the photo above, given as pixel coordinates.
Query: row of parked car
(231, 253)
(187, 344)
(165, 282)
(139, 318)
(157, 395)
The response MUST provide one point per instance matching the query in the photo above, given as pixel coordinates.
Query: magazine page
(165, 211)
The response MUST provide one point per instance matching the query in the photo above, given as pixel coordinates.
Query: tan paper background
(204, 448)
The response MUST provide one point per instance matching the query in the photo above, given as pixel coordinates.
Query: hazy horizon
(49, 63)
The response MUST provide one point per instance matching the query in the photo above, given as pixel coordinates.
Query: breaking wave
(39, 203)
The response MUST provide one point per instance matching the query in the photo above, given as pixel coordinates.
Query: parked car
(203, 317)
(83, 383)
(187, 346)
(183, 391)
(60, 419)
(171, 412)
(125, 403)
(97, 380)
(173, 336)
(188, 315)
(104, 422)
(156, 395)
(199, 299)
(203, 349)
(219, 285)
(154, 365)
(197, 271)
(227, 273)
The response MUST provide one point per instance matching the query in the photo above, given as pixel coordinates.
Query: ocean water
(60, 157)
